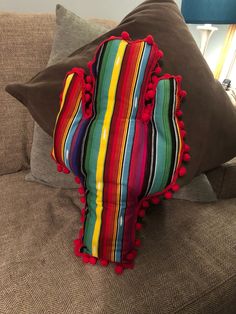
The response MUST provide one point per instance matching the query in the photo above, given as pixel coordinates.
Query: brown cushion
(209, 116)
(25, 41)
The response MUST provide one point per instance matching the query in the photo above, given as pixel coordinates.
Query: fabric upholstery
(192, 269)
(210, 117)
(22, 37)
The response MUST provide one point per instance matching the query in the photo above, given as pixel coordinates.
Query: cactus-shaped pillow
(119, 130)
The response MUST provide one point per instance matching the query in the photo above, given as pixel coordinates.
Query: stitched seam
(205, 293)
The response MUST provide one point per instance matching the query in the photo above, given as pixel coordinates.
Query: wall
(110, 9)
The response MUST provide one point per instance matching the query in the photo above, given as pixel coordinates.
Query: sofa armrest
(223, 180)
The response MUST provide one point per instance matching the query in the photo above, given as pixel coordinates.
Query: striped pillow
(119, 130)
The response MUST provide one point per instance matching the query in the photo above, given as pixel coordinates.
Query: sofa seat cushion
(191, 270)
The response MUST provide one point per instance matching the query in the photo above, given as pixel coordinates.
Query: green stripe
(164, 142)
(94, 137)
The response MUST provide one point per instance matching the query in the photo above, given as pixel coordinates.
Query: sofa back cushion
(25, 41)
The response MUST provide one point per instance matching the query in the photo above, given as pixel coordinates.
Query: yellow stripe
(67, 84)
(69, 123)
(103, 144)
(123, 148)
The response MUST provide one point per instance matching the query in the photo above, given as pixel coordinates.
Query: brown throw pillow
(210, 118)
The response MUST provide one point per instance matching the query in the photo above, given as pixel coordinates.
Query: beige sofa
(187, 261)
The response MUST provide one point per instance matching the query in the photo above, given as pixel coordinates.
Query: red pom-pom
(77, 180)
(181, 124)
(183, 133)
(154, 79)
(59, 168)
(145, 204)
(142, 213)
(119, 269)
(85, 258)
(83, 200)
(92, 260)
(168, 195)
(77, 251)
(150, 86)
(77, 242)
(155, 200)
(81, 190)
(149, 39)
(182, 171)
(90, 64)
(150, 94)
(88, 87)
(82, 219)
(175, 187)
(160, 54)
(183, 93)
(65, 170)
(83, 211)
(130, 256)
(88, 79)
(178, 78)
(186, 148)
(186, 157)
(179, 113)
(137, 242)
(104, 262)
(138, 226)
(158, 70)
(125, 35)
(87, 97)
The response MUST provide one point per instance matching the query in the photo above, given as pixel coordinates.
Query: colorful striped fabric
(119, 131)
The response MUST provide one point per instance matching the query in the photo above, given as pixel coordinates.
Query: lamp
(208, 11)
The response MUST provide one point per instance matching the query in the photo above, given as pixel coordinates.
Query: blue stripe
(70, 135)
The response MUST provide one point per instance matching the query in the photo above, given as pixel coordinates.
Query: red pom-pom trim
(179, 113)
(83, 200)
(65, 170)
(149, 39)
(77, 180)
(181, 124)
(182, 171)
(160, 54)
(81, 190)
(186, 157)
(150, 94)
(104, 262)
(125, 35)
(88, 87)
(88, 79)
(183, 133)
(85, 259)
(186, 148)
(145, 204)
(158, 70)
(155, 200)
(92, 260)
(142, 213)
(87, 97)
(119, 269)
(138, 226)
(137, 242)
(175, 187)
(168, 195)
(59, 168)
